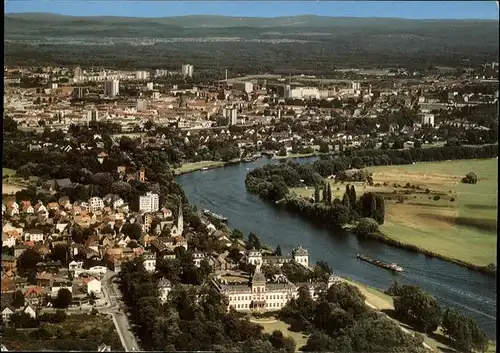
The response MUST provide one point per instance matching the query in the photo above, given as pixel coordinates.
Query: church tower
(180, 220)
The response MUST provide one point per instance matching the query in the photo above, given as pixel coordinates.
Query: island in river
(443, 215)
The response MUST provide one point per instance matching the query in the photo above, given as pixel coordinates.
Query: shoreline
(413, 248)
(199, 166)
(349, 227)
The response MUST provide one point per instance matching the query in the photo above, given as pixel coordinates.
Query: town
(97, 201)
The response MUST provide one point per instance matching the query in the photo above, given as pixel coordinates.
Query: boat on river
(216, 216)
(387, 266)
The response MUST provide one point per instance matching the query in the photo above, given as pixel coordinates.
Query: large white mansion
(262, 295)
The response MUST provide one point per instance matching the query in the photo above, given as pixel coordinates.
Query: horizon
(411, 10)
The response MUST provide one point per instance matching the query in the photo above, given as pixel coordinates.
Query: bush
(366, 226)
(470, 178)
(427, 191)
(452, 199)
(437, 197)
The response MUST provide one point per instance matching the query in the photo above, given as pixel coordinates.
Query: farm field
(453, 219)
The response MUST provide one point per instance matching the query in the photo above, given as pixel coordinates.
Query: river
(223, 191)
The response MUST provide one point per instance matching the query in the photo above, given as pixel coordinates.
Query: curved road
(223, 191)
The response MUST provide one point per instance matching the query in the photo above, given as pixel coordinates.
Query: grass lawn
(8, 171)
(191, 167)
(271, 324)
(463, 229)
(78, 332)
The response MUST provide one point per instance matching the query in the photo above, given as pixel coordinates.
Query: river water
(223, 191)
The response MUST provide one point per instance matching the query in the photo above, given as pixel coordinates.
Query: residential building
(299, 255)
(164, 287)
(141, 75)
(149, 202)
(231, 114)
(150, 262)
(112, 88)
(187, 70)
(94, 286)
(96, 204)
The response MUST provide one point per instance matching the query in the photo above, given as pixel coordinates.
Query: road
(113, 295)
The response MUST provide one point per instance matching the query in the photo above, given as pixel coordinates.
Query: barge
(216, 216)
(387, 266)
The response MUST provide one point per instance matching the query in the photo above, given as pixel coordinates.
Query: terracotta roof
(34, 291)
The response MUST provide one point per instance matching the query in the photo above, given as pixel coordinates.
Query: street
(113, 294)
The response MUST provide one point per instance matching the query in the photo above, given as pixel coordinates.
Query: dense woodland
(312, 45)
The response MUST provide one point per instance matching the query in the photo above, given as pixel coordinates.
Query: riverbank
(297, 155)
(193, 167)
(429, 210)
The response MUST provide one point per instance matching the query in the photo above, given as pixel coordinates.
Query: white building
(428, 119)
(142, 105)
(261, 295)
(187, 70)
(164, 287)
(112, 88)
(141, 75)
(197, 258)
(150, 262)
(34, 235)
(246, 87)
(150, 86)
(231, 114)
(96, 204)
(149, 202)
(299, 255)
(94, 286)
(355, 86)
(301, 92)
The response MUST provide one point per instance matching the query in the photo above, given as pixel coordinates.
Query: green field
(271, 324)
(8, 172)
(78, 333)
(460, 225)
(192, 167)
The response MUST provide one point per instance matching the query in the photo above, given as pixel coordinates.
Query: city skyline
(487, 10)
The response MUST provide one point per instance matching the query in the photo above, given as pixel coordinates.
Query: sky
(256, 8)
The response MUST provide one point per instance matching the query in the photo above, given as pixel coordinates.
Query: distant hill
(309, 42)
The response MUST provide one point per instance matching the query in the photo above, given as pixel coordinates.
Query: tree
(63, 299)
(18, 299)
(470, 178)
(282, 152)
(352, 195)
(277, 252)
(464, 331)
(418, 308)
(329, 193)
(316, 194)
(253, 242)
(237, 234)
(366, 226)
(324, 148)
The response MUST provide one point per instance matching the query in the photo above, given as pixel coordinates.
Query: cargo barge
(216, 216)
(387, 266)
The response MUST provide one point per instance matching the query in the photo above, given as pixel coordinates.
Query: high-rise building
(187, 70)
(79, 92)
(149, 202)
(142, 105)
(112, 88)
(231, 114)
(78, 72)
(141, 75)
